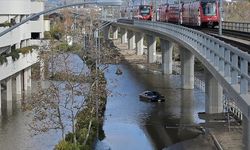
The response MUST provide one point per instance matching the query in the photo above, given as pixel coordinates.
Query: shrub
(27, 49)
(5, 24)
(63, 47)
(64, 145)
(14, 54)
(47, 35)
(3, 59)
(56, 32)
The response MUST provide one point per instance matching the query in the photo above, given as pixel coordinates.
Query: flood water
(15, 133)
(139, 125)
(130, 124)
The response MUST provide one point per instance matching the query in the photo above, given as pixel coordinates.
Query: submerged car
(151, 96)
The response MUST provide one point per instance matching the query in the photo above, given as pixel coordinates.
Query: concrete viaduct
(226, 67)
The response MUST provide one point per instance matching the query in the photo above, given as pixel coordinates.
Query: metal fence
(236, 26)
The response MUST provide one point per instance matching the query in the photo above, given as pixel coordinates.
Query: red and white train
(142, 12)
(197, 13)
(193, 13)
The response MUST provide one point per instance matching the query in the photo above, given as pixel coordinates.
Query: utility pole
(220, 15)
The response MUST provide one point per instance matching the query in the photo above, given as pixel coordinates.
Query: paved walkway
(228, 138)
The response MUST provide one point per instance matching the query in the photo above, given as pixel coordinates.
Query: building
(15, 11)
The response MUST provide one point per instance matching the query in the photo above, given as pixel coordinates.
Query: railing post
(234, 78)
(227, 65)
(221, 61)
(207, 49)
(216, 56)
(243, 80)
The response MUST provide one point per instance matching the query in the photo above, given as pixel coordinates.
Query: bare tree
(72, 99)
(57, 105)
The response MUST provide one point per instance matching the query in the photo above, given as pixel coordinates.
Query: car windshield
(144, 10)
(155, 93)
(149, 94)
(209, 8)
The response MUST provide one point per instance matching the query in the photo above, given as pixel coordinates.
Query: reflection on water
(133, 124)
(14, 129)
(14, 134)
(129, 124)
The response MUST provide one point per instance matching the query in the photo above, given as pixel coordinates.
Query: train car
(195, 13)
(143, 12)
(209, 12)
(200, 13)
(163, 12)
(191, 14)
(173, 13)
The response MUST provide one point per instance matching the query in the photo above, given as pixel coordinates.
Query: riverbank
(218, 132)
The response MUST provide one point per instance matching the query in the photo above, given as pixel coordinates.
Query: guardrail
(227, 62)
(236, 26)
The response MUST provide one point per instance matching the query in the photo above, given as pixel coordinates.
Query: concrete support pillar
(139, 43)
(18, 45)
(131, 40)
(9, 93)
(106, 32)
(167, 52)
(27, 81)
(187, 68)
(214, 93)
(187, 112)
(151, 41)
(115, 33)
(124, 33)
(9, 89)
(19, 86)
(246, 133)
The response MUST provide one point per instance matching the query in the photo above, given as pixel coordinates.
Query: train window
(144, 10)
(209, 9)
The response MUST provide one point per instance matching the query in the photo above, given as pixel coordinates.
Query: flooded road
(134, 124)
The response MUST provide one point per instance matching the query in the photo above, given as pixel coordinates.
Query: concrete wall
(20, 10)
(37, 25)
(46, 25)
(13, 67)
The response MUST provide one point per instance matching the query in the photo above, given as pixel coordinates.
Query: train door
(196, 14)
(185, 13)
(162, 13)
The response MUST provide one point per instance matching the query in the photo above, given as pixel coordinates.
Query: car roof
(150, 91)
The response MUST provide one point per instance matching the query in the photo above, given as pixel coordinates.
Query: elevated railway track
(237, 34)
(238, 39)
